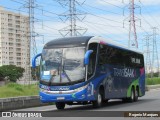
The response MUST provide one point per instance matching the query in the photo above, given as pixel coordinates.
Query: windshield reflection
(64, 65)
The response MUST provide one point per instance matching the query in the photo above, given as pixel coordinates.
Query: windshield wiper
(65, 73)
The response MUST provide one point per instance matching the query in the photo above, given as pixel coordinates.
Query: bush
(153, 81)
(14, 90)
(11, 72)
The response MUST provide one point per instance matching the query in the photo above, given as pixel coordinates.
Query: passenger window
(92, 60)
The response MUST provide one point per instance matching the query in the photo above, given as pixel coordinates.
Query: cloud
(109, 3)
(150, 2)
(121, 3)
(108, 26)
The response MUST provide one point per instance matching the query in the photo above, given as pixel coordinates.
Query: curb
(149, 87)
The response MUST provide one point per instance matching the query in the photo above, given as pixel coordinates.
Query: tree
(11, 72)
(35, 73)
(1, 76)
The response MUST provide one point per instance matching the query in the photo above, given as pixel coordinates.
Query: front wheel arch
(100, 97)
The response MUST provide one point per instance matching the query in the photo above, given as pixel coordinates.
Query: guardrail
(19, 102)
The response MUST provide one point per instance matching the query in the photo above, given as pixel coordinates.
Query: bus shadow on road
(112, 105)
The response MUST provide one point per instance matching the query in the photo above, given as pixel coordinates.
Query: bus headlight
(81, 88)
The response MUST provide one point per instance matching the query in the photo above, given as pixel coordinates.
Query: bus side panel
(112, 84)
(118, 80)
(126, 69)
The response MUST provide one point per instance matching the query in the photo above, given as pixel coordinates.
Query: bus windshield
(64, 65)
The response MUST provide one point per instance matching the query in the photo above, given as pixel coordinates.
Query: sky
(106, 18)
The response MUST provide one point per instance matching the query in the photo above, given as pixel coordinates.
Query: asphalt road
(149, 102)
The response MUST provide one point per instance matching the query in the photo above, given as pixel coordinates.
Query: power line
(95, 27)
(50, 4)
(155, 57)
(150, 14)
(108, 25)
(18, 2)
(73, 15)
(116, 27)
(49, 27)
(103, 17)
(101, 9)
(14, 9)
(88, 12)
(132, 26)
(146, 21)
(111, 4)
(37, 8)
(47, 11)
(148, 56)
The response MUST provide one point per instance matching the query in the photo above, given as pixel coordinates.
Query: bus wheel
(99, 101)
(60, 105)
(132, 97)
(136, 95)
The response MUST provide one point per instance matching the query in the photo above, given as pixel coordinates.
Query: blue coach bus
(89, 70)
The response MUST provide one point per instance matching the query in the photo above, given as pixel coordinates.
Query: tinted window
(92, 60)
(117, 56)
(110, 55)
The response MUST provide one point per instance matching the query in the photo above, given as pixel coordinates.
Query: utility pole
(32, 27)
(148, 55)
(132, 42)
(72, 15)
(155, 58)
(31, 5)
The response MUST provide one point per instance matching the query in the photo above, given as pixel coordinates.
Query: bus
(89, 70)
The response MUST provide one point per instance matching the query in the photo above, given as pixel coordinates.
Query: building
(15, 40)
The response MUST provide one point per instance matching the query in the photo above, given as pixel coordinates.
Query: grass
(14, 90)
(152, 81)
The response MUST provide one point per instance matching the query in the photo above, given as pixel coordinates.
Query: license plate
(60, 98)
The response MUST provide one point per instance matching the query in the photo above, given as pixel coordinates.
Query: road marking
(49, 109)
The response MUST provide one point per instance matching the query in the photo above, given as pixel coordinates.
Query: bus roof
(68, 42)
(105, 41)
(83, 41)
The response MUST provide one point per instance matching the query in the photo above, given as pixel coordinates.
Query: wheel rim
(99, 99)
(132, 95)
(136, 93)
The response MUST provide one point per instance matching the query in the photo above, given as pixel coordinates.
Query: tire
(136, 95)
(60, 105)
(132, 97)
(98, 103)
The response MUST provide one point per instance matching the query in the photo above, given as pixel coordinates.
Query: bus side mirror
(87, 56)
(34, 60)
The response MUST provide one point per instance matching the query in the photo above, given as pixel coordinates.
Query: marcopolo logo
(126, 72)
(60, 89)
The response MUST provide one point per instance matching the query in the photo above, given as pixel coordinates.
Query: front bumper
(72, 97)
